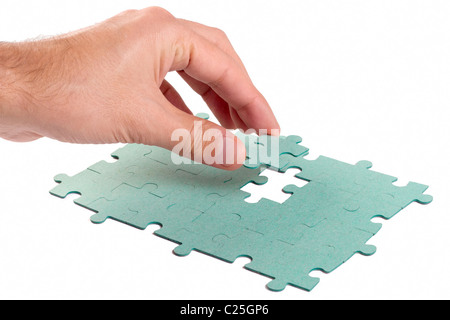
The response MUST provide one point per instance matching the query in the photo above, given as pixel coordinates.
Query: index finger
(214, 67)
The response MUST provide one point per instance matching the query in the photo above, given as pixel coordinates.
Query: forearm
(7, 79)
(39, 80)
(22, 82)
(12, 91)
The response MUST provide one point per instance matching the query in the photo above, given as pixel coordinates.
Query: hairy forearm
(9, 85)
(40, 80)
(7, 67)
(18, 67)
(24, 68)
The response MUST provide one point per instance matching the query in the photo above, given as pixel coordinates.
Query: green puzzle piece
(201, 208)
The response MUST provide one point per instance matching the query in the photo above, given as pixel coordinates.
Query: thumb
(200, 140)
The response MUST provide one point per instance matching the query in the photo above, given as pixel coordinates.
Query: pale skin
(105, 84)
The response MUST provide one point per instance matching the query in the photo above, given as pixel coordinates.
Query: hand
(105, 84)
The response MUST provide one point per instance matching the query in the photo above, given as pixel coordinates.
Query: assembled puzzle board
(322, 224)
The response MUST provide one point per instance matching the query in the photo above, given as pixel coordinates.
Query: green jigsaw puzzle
(319, 227)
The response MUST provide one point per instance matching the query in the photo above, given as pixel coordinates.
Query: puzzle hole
(378, 219)
(153, 227)
(73, 196)
(400, 182)
(242, 261)
(317, 273)
(272, 189)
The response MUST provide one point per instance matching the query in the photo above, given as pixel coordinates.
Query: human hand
(105, 84)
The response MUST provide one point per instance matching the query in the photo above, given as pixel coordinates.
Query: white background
(356, 79)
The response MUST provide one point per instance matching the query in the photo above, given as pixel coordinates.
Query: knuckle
(158, 12)
(157, 19)
(220, 33)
